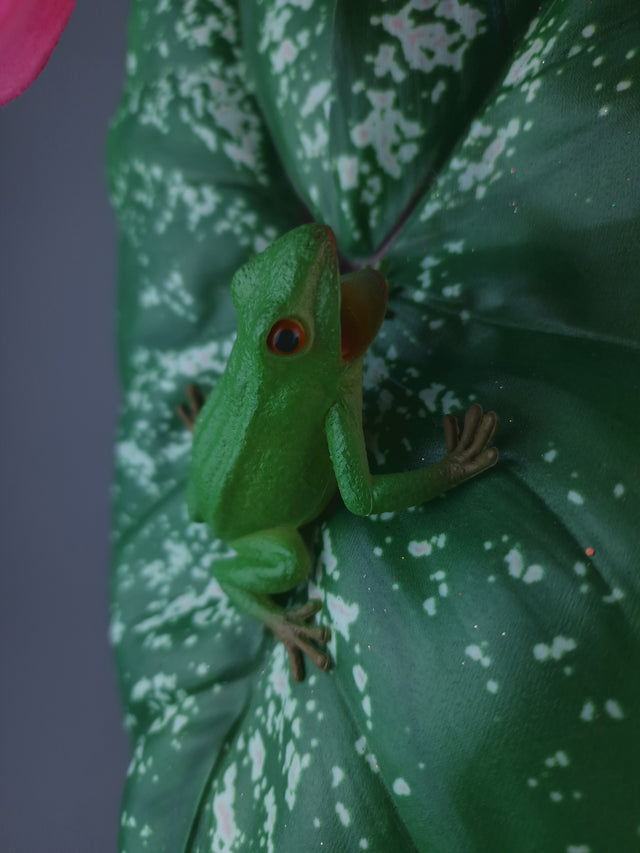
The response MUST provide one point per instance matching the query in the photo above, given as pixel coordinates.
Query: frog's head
(291, 301)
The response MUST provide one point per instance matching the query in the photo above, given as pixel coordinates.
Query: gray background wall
(63, 753)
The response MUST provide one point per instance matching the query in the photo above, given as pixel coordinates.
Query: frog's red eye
(286, 337)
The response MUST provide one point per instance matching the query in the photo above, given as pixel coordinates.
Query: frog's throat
(363, 303)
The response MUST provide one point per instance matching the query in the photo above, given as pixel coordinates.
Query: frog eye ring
(287, 336)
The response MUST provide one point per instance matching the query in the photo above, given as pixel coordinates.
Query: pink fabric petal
(29, 30)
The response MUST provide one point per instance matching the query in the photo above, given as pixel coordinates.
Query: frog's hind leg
(189, 411)
(265, 564)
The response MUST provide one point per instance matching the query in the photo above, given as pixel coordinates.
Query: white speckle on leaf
(588, 712)
(533, 574)
(472, 173)
(256, 754)
(526, 64)
(360, 677)
(559, 759)
(160, 688)
(282, 56)
(560, 646)
(314, 145)
(116, 629)
(386, 130)
(419, 549)
(343, 615)
(613, 709)
(614, 596)
(328, 559)
(575, 497)
(438, 90)
(515, 563)
(343, 814)
(316, 96)
(430, 394)
(270, 822)
(430, 606)
(347, 172)
(452, 291)
(226, 831)
(138, 464)
(294, 764)
(475, 653)
(337, 775)
(401, 788)
(438, 43)
(450, 403)
(385, 63)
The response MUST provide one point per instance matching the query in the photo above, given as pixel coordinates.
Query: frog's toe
(298, 617)
(296, 647)
(319, 659)
(298, 639)
(296, 664)
(307, 610)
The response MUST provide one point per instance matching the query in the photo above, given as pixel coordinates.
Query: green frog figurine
(282, 429)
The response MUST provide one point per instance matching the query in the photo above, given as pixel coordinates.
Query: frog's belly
(286, 483)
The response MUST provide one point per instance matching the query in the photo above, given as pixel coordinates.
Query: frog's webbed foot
(468, 452)
(189, 411)
(291, 629)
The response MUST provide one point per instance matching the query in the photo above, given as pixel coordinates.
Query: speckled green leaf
(486, 688)
(365, 100)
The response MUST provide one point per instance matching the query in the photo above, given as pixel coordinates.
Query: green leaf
(365, 100)
(485, 693)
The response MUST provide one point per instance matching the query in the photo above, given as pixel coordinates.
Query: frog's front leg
(468, 454)
(267, 563)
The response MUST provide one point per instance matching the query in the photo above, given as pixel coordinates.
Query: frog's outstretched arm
(363, 493)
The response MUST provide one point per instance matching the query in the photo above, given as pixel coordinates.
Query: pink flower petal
(29, 30)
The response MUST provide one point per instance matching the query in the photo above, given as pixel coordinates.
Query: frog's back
(255, 464)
